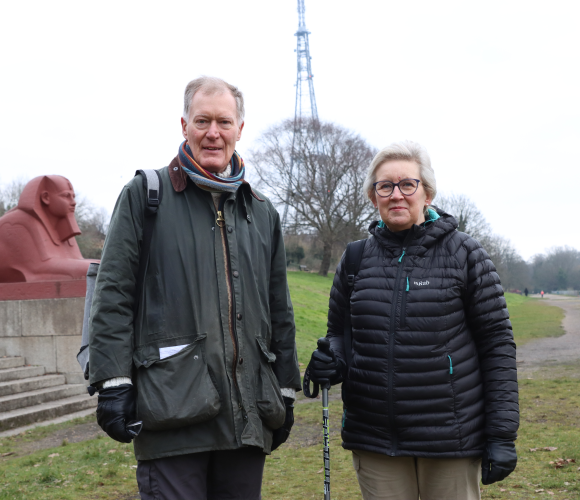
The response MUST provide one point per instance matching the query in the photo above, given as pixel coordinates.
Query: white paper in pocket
(165, 352)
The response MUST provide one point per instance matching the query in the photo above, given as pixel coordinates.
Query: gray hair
(403, 150)
(211, 85)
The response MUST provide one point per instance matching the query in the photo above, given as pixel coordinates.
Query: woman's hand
(324, 367)
(499, 460)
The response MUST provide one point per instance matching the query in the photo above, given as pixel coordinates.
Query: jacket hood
(420, 237)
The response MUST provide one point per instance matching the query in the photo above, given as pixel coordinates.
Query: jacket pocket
(269, 401)
(177, 391)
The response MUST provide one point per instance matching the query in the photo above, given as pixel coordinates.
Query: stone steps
(21, 372)
(30, 384)
(11, 362)
(39, 396)
(45, 411)
(29, 397)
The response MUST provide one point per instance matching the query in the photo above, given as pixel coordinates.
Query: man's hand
(499, 460)
(116, 409)
(324, 367)
(281, 435)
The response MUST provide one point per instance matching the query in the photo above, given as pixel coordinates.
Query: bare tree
(470, 220)
(93, 222)
(558, 269)
(329, 167)
(10, 194)
(514, 271)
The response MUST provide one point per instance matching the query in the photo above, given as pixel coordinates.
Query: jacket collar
(420, 238)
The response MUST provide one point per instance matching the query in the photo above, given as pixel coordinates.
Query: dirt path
(555, 350)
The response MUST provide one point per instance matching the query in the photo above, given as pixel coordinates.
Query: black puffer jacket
(434, 361)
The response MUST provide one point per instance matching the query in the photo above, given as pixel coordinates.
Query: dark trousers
(212, 475)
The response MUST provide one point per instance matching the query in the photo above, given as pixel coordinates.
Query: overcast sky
(93, 91)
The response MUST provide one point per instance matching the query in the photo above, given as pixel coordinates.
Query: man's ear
(184, 128)
(45, 198)
(240, 131)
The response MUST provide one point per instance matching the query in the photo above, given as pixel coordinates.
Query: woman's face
(398, 211)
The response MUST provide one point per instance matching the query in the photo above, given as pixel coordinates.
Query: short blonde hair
(403, 150)
(210, 85)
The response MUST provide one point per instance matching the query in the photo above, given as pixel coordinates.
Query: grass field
(310, 300)
(532, 319)
(549, 403)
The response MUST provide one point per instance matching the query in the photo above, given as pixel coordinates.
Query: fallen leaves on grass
(545, 448)
(111, 451)
(6, 454)
(561, 462)
(53, 455)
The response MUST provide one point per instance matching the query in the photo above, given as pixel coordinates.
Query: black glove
(281, 435)
(324, 367)
(499, 460)
(115, 410)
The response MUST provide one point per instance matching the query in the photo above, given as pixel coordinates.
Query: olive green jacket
(223, 293)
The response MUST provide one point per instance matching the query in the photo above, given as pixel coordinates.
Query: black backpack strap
(352, 260)
(154, 191)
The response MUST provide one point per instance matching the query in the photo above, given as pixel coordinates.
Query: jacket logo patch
(420, 283)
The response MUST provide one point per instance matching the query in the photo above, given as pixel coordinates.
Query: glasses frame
(396, 185)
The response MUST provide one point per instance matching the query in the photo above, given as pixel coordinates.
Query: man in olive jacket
(208, 364)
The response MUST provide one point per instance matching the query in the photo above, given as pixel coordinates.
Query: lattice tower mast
(305, 104)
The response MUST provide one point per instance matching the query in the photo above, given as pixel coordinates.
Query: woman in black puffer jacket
(432, 386)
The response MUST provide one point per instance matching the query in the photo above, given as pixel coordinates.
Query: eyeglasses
(406, 186)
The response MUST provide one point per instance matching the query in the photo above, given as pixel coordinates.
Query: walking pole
(326, 452)
(323, 346)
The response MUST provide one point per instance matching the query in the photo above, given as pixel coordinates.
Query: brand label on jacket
(421, 283)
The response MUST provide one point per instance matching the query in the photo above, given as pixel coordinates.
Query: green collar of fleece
(431, 214)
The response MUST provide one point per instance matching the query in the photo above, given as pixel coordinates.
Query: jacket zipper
(394, 440)
(220, 221)
(403, 321)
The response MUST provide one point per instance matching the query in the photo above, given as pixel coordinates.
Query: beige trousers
(407, 478)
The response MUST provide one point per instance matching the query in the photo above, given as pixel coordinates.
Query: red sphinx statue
(37, 237)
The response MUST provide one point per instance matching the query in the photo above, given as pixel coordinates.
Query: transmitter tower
(305, 104)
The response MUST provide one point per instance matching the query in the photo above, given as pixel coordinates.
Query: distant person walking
(431, 393)
(542, 293)
(526, 292)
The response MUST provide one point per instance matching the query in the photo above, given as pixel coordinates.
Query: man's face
(212, 129)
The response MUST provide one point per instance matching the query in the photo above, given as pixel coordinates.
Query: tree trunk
(326, 256)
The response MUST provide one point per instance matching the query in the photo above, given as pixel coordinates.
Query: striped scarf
(206, 180)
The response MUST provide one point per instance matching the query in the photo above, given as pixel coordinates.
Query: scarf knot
(206, 180)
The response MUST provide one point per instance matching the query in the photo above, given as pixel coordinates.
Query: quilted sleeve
(338, 303)
(489, 322)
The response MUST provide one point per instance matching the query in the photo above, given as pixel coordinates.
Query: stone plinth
(43, 290)
(45, 332)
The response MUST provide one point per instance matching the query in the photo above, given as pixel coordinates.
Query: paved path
(555, 350)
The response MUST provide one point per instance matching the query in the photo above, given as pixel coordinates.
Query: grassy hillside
(309, 294)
